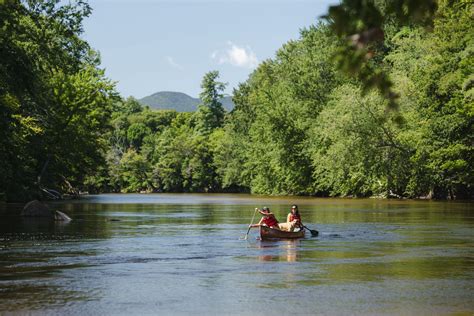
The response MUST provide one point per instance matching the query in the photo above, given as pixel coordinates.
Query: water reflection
(287, 250)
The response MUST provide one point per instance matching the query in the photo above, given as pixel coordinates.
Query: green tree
(135, 173)
(356, 148)
(129, 106)
(183, 161)
(136, 133)
(210, 113)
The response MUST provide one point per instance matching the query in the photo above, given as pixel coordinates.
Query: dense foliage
(365, 24)
(300, 125)
(54, 100)
(310, 130)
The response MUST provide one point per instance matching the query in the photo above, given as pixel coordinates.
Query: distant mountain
(181, 102)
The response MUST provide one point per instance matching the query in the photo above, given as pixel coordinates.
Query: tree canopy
(55, 101)
(305, 122)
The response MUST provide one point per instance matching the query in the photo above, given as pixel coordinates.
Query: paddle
(251, 222)
(313, 232)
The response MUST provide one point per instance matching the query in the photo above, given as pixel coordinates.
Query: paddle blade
(314, 232)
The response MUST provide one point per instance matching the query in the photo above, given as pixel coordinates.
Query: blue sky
(164, 45)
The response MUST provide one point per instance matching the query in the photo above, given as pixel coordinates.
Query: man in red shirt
(268, 219)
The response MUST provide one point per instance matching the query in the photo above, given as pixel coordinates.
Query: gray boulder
(60, 216)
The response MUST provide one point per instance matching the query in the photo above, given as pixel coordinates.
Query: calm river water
(181, 254)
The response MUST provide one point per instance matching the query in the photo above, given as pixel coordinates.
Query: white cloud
(236, 56)
(172, 63)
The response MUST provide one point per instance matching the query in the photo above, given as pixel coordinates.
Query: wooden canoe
(271, 233)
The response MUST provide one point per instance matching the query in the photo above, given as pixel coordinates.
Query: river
(183, 254)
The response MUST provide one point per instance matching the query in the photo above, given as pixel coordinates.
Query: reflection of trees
(413, 268)
(333, 210)
(383, 211)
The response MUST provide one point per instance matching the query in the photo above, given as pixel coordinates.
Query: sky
(148, 46)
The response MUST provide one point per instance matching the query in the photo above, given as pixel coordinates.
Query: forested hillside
(169, 100)
(305, 122)
(181, 102)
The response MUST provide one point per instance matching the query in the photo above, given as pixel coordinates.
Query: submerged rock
(37, 209)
